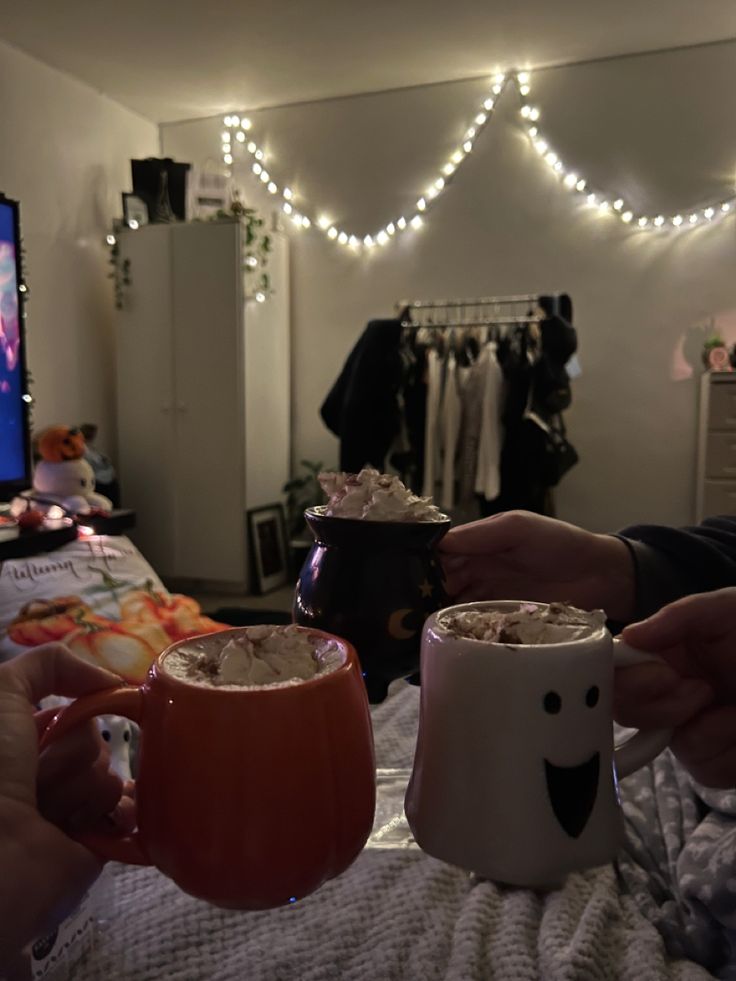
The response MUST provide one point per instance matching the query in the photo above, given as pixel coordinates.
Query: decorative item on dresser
(203, 382)
(715, 490)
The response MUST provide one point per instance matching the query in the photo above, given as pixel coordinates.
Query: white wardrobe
(203, 397)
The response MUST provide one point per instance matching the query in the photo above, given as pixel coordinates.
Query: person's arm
(670, 563)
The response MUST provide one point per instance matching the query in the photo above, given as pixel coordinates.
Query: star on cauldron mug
(515, 772)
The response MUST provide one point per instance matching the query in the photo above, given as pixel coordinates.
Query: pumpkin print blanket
(100, 597)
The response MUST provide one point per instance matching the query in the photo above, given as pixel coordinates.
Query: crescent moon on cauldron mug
(396, 626)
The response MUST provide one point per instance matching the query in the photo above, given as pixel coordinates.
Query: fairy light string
(236, 135)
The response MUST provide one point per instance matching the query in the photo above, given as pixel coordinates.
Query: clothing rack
(482, 311)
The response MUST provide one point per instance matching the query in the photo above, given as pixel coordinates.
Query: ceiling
(171, 61)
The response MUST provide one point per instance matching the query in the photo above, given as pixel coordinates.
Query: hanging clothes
(487, 475)
(450, 430)
(431, 441)
(472, 387)
(362, 407)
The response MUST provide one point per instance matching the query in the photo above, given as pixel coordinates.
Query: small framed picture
(267, 533)
(135, 210)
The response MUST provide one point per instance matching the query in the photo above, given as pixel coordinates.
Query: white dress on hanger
(487, 473)
(450, 423)
(431, 442)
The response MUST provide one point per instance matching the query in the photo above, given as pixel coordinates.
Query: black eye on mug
(591, 696)
(106, 735)
(552, 702)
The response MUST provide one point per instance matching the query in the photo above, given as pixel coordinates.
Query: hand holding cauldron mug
(256, 775)
(515, 774)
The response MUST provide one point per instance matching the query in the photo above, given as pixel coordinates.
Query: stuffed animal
(62, 475)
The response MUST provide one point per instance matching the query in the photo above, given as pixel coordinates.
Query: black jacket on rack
(362, 407)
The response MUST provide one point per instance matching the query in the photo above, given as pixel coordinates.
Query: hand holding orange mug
(248, 797)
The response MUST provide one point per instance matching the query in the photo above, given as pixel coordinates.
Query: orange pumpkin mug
(246, 799)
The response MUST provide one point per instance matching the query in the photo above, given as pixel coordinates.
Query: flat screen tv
(15, 463)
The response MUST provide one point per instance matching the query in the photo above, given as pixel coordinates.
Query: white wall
(656, 128)
(65, 155)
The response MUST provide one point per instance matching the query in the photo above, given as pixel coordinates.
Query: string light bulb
(528, 112)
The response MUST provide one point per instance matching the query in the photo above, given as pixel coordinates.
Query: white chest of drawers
(715, 488)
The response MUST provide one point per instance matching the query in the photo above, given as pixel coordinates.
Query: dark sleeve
(675, 562)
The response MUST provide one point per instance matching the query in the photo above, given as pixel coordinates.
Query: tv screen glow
(13, 465)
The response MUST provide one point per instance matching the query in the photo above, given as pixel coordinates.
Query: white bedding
(398, 914)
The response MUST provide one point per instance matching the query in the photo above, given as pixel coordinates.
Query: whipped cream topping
(373, 496)
(530, 624)
(255, 657)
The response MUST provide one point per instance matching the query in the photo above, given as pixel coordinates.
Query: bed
(666, 909)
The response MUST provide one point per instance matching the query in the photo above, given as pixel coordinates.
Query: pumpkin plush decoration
(59, 443)
(62, 475)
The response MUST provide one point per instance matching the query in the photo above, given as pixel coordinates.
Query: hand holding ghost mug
(696, 693)
(515, 771)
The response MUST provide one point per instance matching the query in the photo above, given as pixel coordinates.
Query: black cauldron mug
(373, 583)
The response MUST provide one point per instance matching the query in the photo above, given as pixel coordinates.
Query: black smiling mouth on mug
(572, 792)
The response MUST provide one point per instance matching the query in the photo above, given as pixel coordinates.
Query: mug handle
(643, 746)
(128, 702)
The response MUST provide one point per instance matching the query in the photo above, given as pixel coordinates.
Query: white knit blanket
(663, 910)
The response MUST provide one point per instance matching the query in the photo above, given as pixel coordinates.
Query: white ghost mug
(515, 771)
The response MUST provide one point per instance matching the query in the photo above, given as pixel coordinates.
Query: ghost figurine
(116, 732)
